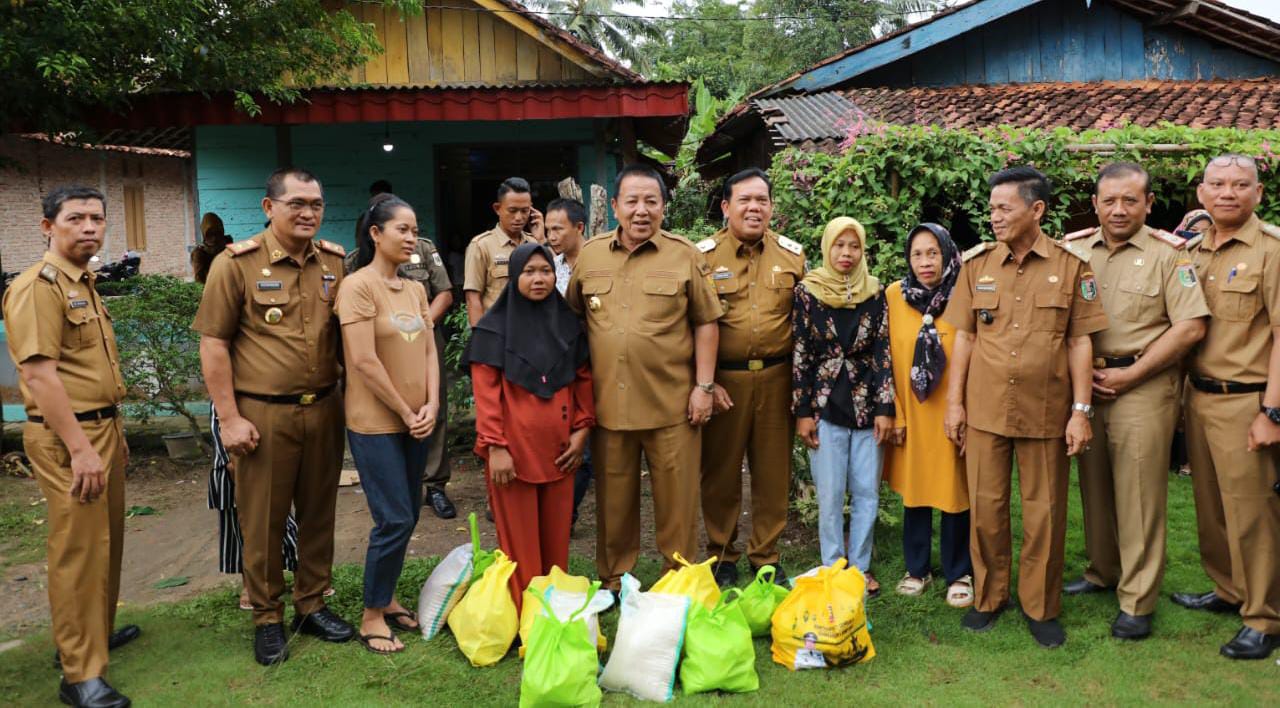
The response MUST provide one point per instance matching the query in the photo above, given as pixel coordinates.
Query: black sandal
(368, 639)
(393, 621)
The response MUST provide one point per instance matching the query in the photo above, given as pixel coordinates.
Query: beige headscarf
(827, 284)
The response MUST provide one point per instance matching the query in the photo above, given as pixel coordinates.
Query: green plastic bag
(480, 560)
(718, 652)
(759, 601)
(560, 661)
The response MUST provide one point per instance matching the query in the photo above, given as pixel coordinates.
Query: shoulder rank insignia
(331, 247)
(978, 250)
(706, 245)
(1076, 250)
(239, 248)
(1271, 230)
(1082, 233)
(49, 273)
(790, 245)
(1173, 240)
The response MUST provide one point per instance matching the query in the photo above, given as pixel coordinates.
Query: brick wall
(30, 168)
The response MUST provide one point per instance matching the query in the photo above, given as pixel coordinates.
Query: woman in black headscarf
(922, 465)
(534, 408)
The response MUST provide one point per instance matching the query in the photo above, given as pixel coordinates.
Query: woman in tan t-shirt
(392, 399)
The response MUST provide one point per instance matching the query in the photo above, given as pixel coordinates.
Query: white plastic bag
(647, 649)
(442, 591)
(565, 604)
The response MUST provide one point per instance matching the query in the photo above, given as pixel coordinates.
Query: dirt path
(180, 540)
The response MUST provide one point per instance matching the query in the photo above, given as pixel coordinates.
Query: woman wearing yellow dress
(922, 465)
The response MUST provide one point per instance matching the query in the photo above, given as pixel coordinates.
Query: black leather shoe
(1207, 601)
(725, 573)
(779, 575)
(1249, 643)
(94, 693)
(977, 621)
(440, 504)
(1082, 586)
(1048, 634)
(325, 625)
(1127, 626)
(118, 638)
(269, 644)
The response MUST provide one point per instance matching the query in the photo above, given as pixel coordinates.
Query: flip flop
(393, 620)
(367, 639)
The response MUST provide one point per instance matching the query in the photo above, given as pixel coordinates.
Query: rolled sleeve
(222, 302)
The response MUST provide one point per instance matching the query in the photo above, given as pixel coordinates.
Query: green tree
(713, 48)
(824, 28)
(64, 58)
(600, 24)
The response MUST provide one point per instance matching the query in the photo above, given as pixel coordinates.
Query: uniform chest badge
(273, 315)
(1088, 286)
(1053, 279)
(1186, 273)
(436, 258)
(593, 304)
(415, 259)
(986, 284)
(277, 255)
(266, 272)
(1139, 262)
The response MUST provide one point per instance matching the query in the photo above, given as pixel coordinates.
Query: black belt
(100, 414)
(292, 399)
(753, 364)
(1212, 386)
(1113, 362)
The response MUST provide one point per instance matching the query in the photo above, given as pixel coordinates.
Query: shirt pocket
(595, 291)
(1239, 300)
(1050, 311)
(264, 309)
(1138, 301)
(781, 289)
(661, 301)
(990, 303)
(498, 273)
(81, 328)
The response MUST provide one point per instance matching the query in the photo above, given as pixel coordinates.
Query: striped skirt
(222, 497)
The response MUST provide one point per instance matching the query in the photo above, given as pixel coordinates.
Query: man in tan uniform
(486, 261)
(60, 337)
(1023, 309)
(269, 352)
(754, 271)
(1233, 409)
(1156, 312)
(651, 322)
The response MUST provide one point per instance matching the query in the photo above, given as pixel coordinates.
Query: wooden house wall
(445, 45)
(1062, 40)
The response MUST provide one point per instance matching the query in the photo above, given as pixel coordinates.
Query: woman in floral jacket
(842, 390)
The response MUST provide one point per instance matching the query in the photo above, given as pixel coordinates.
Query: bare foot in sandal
(398, 618)
(376, 636)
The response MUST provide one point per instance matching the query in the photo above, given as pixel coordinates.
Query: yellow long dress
(927, 470)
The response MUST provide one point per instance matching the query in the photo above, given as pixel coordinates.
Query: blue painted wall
(1062, 40)
(232, 163)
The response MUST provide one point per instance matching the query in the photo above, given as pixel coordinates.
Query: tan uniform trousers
(1043, 473)
(1124, 483)
(1237, 511)
(85, 545)
(672, 453)
(297, 463)
(759, 426)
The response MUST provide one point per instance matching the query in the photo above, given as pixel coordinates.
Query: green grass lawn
(200, 652)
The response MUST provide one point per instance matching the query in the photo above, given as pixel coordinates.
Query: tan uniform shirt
(755, 284)
(401, 325)
(429, 270)
(1019, 384)
(52, 311)
(486, 264)
(641, 307)
(1241, 282)
(277, 314)
(1146, 285)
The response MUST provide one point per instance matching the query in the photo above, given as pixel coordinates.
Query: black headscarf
(537, 345)
(930, 360)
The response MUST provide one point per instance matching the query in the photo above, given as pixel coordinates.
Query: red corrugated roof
(377, 104)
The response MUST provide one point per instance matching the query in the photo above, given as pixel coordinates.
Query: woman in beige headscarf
(214, 239)
(842, 390)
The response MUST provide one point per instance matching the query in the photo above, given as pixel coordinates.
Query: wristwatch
(708, 387)
(1083, 408)
(1273, 414)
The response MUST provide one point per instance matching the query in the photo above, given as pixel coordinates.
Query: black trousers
(953, 546)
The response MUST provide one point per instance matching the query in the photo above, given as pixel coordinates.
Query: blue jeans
(847, 460)
(391, 467)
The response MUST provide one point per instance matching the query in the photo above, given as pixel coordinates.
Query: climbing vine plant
(890, 177)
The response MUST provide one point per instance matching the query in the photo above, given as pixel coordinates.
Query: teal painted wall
(232, 163)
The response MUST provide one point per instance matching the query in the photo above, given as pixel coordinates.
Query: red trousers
(533, 523)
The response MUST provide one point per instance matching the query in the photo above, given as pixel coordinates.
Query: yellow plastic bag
(535, 594)
(695, 581)
(485, 621)
(823, 622)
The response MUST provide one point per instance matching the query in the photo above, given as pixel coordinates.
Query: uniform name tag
(721, 275)
(77, 304)
(330, 277)
(270, 285)
(985, 287)
(500, 260)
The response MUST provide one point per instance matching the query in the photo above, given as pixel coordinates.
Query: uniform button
(313, 369)
(1016, 325)
(626, 305)
(1018, 298)
(306, 319)
(753, 306)
(627, 280)
(1013, 353)
(1019, 271)
(304, 297)
(622, 385)
(1013, 380)
(751, 285)
(1211, 278)
(1104, 286)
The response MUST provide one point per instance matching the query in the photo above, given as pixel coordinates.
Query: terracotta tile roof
(1249, 104)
